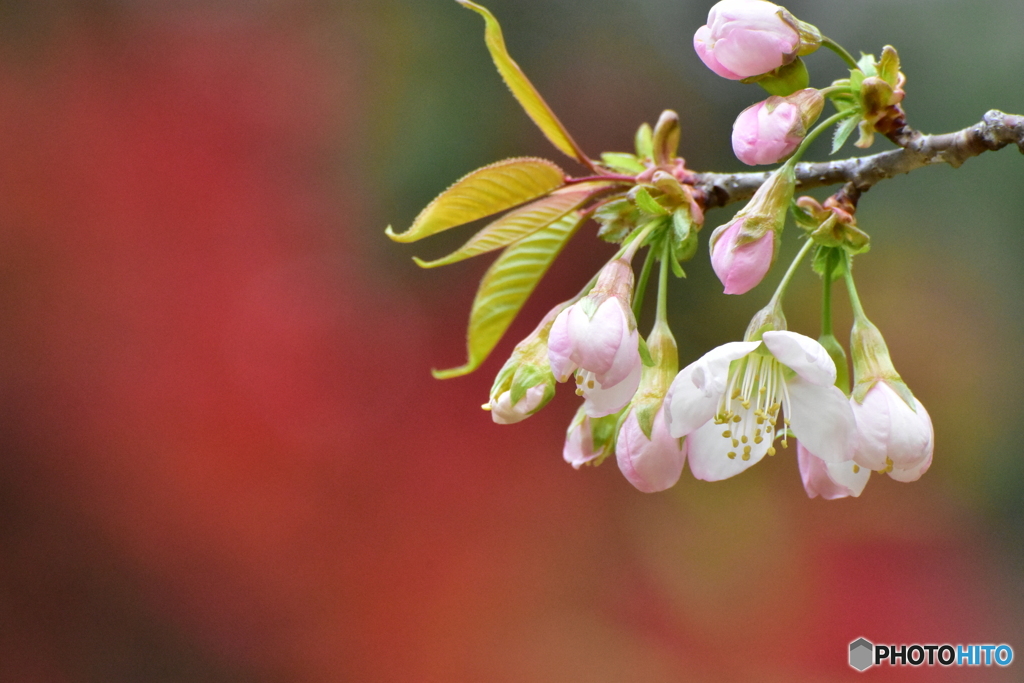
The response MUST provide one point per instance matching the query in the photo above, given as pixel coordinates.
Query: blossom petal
(803, 355)
(703, 45)
(693, 396)
(914, 472)
(579, 445)
(560, 347)
(830, 480)
(625, 360)
(653, 464)
(600, 402)
(822, 420)
(708, 451)
(595, 340)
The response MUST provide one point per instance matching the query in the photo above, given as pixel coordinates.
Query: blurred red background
(224, 458)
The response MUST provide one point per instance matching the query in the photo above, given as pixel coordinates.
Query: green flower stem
(824, 92)
(641, 283)
(826, 297)
(858, 310)
(818, 130)
(839, 50)
(634, 241)
(661, 315)
(781, 289)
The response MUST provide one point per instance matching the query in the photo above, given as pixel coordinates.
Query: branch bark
(995, 131)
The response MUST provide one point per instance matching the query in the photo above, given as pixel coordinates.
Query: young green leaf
(483, 192)
(527, 95)
(622, 162)
(646, 203)
(505, 287)
(843, 131)
(644, 141)
(517, 224)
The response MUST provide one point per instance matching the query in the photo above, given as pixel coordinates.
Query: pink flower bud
(741, 267)
(895, 438)
(503, 412)
(745, 38)
(649, 464)
(765, 135)
(597, 339)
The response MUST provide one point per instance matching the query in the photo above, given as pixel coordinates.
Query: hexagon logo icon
(860, 654)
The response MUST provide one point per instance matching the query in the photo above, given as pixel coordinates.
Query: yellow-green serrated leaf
(842, 132)
(527, 95)
(483, 192)
(505, 287)
(515, 225)
(622, 162)
(646, 203)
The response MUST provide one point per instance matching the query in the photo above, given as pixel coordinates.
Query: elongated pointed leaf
(483, 192)
(842, 132)
(516, 225)
(527, 95)
(505, 287)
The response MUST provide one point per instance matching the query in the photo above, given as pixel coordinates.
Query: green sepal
(684, 239)
(603, 433)
(622, 162)
(803, 220)
(484, 192)
(522, 89)
(821, 263)
(785, 80)
(677, 268)
(503, 380)
(645, 354)
(506, 286)
(528, 376)
(589, 306)
(861, 389)
(645, 412)
(646, 203)
(644, 141)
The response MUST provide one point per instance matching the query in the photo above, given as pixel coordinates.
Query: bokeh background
(224, 458)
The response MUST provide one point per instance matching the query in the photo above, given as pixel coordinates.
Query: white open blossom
(729, 403)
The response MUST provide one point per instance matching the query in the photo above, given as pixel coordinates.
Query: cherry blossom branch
(995, 131)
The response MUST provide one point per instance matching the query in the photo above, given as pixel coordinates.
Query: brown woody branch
(995, 131)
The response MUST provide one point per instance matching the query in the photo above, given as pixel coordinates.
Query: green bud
(665, 143)
(644, 142)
